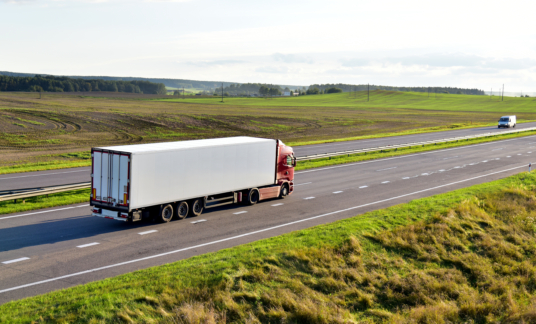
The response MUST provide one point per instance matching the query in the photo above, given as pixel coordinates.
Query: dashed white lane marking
(363, 187)
(336, 192)
(301, 184)
(86, 245)
(148, 232)
(41, 175)
(405, 178)
(16, 260)
(386, 169)
(199, 221)
(529, 152)
(484, 161)
(519, 154)
(424, 174)
(442, 170)
(386, 181)
(508, 156)
(42, 212)
(275, 205)
(240, 212)
(309, 198)
(150, 257)
(497, 149)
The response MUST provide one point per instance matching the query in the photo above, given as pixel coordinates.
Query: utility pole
(428, 92)
(222, 92)
(368, 91)
(183, 93)
(490, 93)
(502, 98)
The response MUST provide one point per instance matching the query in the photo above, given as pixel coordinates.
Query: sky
(470, 43)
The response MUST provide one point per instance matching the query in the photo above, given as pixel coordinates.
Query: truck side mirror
(293, 160)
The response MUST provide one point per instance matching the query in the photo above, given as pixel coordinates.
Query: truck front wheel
(166, 214)
(182, 210)
(284, 191)
(196, 207)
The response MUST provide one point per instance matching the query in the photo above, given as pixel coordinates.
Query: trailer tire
(166, 214)
(284, 191)
(182, 210)
(196, 207)
(253, 196)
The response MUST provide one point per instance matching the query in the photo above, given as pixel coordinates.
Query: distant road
(61, 247)
(74, 175)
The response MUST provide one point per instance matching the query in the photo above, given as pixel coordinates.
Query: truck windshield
(504, 119)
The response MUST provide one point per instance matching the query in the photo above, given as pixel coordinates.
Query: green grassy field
(464, 256)
(36, 132)
(387, 99)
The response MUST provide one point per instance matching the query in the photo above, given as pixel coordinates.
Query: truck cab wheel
(284, 191)
(196, 207)
(253, 196)
(166, 214)
(182, 210)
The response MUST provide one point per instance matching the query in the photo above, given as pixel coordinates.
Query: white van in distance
(507, 121)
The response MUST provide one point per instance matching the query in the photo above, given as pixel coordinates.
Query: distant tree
(226, 94)
(274, 92)
(286, 89)
(458, 92)
(333, 90)
(312, 91)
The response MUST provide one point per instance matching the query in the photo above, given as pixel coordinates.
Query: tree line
(363, 87)
(50, 83)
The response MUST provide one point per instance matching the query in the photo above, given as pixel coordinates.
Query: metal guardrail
(33, 192)
(397, 146)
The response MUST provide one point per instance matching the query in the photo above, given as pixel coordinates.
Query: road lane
(75, 175)
(50, 240)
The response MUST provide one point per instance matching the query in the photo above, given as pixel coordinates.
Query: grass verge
(463, 256)
(316, 163)
(40, 202)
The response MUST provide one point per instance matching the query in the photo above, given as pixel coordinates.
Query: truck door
(111, 178)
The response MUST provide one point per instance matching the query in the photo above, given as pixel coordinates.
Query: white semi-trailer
(170, 180)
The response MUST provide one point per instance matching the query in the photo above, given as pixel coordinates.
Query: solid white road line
(16, 260)
(386, 181)
(386, 169)
(336, 192)
(246, 234)
(409, 155)
(363, 187)
(148, 232)
(40, 175)
(240, 212)
(309, 198)
(86, 245)
(45, 211)
(199, 221)
(301, 184)
(275, 205)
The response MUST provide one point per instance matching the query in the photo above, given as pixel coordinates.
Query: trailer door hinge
(92, 175)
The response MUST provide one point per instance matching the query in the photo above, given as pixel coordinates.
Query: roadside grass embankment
(45, 201)
(463, 256)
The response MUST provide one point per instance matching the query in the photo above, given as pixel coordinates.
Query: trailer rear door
(110, 182)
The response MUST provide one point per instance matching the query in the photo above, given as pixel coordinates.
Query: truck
(507, 121)
(173, 180)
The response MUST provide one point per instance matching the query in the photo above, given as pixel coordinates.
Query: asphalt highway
(61, 247)
(75, 175)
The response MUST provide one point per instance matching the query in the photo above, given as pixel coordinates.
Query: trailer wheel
(253, 196)
(196, 207)
(284, 191)
(166, 214)
(182, 210)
